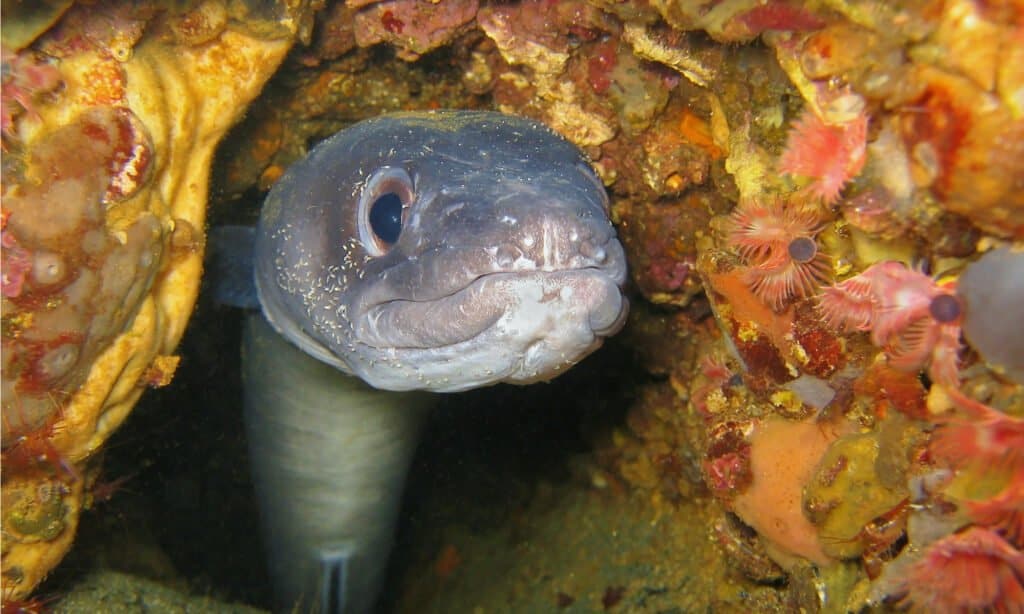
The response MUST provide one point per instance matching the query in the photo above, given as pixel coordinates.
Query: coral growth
(989, 437)
(967, 150)
(915, 319)
(966, 530)
(778, 245)
(830, 154)
(107, 152)
(72, 284)
(413, 27)
(17, 261)
(972, 571)
(987, 451)
(26, 76)
(680, 128)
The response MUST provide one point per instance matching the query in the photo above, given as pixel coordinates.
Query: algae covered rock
(110, 122)
(847, 494)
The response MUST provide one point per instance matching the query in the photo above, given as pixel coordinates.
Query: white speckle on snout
(508, 257)
(453, 208)
(523, 263)
(508, 219)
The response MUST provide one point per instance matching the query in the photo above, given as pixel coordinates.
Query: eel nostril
(593, 252)
(506, 256)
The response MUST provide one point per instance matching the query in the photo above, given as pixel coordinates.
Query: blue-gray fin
(229, 266)
(334, 565)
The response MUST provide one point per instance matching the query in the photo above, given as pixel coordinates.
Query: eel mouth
(518, 307)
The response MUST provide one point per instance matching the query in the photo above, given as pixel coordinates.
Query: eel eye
(386, 217)
(382, 206)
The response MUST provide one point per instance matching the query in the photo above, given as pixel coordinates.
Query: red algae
(601, 63)
(779, 16)
(726, 465)
(661, 256)
(413, 27)
(891, 388)
(825, 353)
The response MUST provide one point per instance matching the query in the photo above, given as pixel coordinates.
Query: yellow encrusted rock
(110, 134)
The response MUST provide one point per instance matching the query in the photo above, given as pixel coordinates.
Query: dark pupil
(386, 217)
(944, 308)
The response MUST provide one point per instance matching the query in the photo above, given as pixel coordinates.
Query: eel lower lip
(476, 308)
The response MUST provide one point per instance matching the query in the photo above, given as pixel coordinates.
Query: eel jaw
(518, 327)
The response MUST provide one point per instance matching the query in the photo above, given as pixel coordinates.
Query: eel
(406, 255)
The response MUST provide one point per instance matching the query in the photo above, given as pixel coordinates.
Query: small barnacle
(830, 153)
(778, 246)
(48, 268)
(58, 361)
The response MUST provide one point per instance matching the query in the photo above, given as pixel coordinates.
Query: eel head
(442, 251)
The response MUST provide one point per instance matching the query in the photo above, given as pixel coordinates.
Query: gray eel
(417, 252)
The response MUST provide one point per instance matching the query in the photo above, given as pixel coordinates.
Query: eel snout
(524, 297)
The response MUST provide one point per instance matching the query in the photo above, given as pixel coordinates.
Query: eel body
(418, 252)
